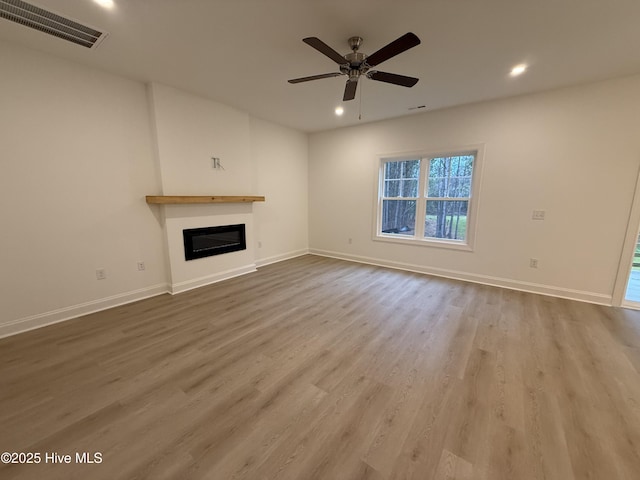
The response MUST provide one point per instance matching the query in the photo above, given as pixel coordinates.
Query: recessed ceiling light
(339, 111)
(518, 70)
(105, 3)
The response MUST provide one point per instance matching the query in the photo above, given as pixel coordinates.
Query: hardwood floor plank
(452, 467)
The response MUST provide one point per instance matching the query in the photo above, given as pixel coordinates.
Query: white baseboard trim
(541, 289)
(280, 258)
(67, 313)
(209, 279)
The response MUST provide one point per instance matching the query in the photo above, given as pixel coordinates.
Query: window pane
(399, 216)
(401, 188)
(446, 219)
(450, 176)
(401, 178)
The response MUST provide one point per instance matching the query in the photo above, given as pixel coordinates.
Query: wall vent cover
(48, 22)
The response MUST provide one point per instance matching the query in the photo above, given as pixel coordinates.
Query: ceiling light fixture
(339, 111)
(518, 70)
(105, 3)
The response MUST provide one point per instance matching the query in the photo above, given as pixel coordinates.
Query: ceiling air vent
(48, 22)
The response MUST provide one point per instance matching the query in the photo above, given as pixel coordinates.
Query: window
(428, 199)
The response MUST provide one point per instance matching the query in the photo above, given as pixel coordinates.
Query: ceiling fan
(356, 64)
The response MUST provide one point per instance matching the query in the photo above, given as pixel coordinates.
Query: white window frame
(421, 201)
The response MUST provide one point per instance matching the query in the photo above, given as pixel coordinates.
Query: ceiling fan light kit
(355, 64)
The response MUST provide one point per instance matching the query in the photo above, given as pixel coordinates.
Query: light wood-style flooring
(315, 368)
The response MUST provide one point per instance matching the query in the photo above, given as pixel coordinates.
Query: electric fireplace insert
(208, 241)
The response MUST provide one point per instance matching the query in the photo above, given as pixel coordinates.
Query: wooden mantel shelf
(184, 199)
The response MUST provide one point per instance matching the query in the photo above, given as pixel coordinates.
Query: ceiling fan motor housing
(356, 66)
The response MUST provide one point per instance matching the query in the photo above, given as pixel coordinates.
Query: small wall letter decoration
(215, 163)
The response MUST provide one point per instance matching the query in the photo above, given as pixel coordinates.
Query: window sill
(449, 244)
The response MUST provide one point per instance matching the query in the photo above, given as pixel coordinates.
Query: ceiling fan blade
(393, 78)
(402, 44)
(325, 49)
(350, 90)
(315, 77)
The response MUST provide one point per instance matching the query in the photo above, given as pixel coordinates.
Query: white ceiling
(241, 52)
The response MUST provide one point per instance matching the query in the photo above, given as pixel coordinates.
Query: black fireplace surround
(208, 241)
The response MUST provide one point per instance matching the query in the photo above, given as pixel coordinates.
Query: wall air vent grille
(48, 22)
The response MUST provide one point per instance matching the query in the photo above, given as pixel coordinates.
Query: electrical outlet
(141, 266)
(350, 241)
(101, 274)
(537, 215)
(533, 262)
(259, 244)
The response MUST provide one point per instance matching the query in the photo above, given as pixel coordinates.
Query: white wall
(573, 152)
(189, 131)
(80, 149)
(279, 156)
(76, 161)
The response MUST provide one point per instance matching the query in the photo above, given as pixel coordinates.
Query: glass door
(632, 295)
